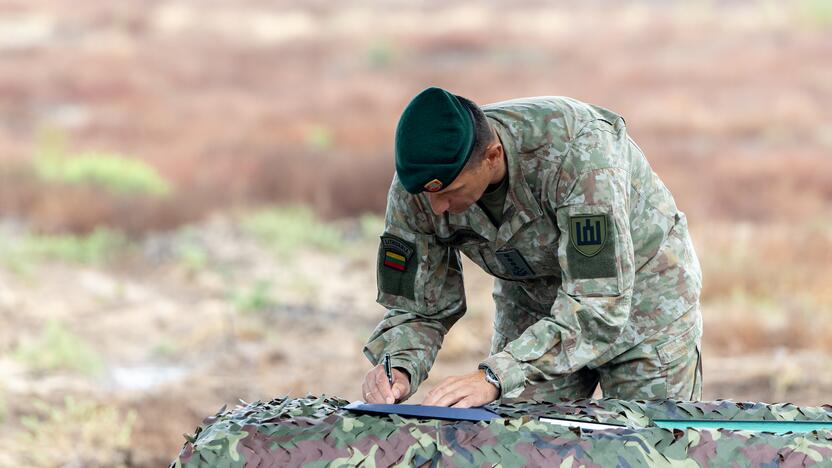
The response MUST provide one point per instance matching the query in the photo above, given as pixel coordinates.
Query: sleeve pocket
(397, 266)
(589, 246)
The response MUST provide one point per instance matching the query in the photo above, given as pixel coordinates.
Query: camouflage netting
(315, 431)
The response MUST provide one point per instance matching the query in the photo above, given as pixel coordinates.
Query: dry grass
(769, 261)
(301, 106)
(767, 285)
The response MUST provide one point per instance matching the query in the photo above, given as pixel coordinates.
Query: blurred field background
(191, 191)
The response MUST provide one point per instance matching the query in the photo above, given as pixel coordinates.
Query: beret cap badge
(434, 186)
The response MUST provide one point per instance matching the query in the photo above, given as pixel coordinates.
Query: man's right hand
(377, 389)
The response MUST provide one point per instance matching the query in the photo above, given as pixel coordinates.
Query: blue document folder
(479, 413)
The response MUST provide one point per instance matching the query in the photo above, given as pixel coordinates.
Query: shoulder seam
(581, 174)
(588, 123)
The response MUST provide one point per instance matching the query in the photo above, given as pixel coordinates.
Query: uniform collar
(520, 207)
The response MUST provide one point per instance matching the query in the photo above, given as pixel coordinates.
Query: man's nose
(438, 205)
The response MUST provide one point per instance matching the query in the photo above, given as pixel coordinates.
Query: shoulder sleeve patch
(591, 250)
(396, 271)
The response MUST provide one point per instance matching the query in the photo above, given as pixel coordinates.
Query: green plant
(319, 138)
(372, 226)
(112, 172)
(164, 349)
(57, 348)
(381, 54)
(815, 12)
(254, 299)
(305, 287)
(96, 248)
(286, 229)
(77, 432)
(192, 257)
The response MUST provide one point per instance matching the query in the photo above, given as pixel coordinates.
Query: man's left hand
(463, 391)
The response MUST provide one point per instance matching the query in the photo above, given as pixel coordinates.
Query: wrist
(411, 373)
(404, 374)
(491, 377)
(508, 371)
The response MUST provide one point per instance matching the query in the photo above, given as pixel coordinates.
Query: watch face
(491, 377)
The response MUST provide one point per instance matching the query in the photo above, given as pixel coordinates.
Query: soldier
(596, 278)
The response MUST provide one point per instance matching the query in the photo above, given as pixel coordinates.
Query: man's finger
(434, 396)
(377, 394)
(441, 388)
(452, 397)
(383, 386)
(441, 395)
(399, 389)
(401, 384)
(447, 386)
(365, 391)
(371, 394)
(374, 397)
(466, 402)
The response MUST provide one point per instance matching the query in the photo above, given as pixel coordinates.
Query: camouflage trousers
(666, 365)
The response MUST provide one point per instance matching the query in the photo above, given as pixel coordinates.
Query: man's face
(463, 192)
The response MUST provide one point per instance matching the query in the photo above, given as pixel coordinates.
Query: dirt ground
(176, 345)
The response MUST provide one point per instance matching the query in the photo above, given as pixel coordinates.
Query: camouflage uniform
(596, 278)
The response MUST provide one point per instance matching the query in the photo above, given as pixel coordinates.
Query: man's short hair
(483, 135)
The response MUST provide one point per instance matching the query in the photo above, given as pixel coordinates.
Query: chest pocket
(513, 263)
(480, 251)
(530, 254)
(460, 238)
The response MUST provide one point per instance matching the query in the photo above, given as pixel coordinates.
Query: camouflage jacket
(592, 255)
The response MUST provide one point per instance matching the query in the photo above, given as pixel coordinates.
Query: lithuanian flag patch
(394, 260)
(396, 252)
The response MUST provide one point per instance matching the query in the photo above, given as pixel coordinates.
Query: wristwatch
(491, 377)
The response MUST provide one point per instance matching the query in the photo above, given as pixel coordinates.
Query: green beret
(433, 140)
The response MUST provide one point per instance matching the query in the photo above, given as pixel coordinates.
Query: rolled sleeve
(508, 372)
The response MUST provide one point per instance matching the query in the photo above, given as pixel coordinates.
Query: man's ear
(494, 153)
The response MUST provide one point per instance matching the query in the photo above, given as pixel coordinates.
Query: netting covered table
(316, 431)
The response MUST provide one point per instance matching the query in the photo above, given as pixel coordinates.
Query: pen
(387, 369)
